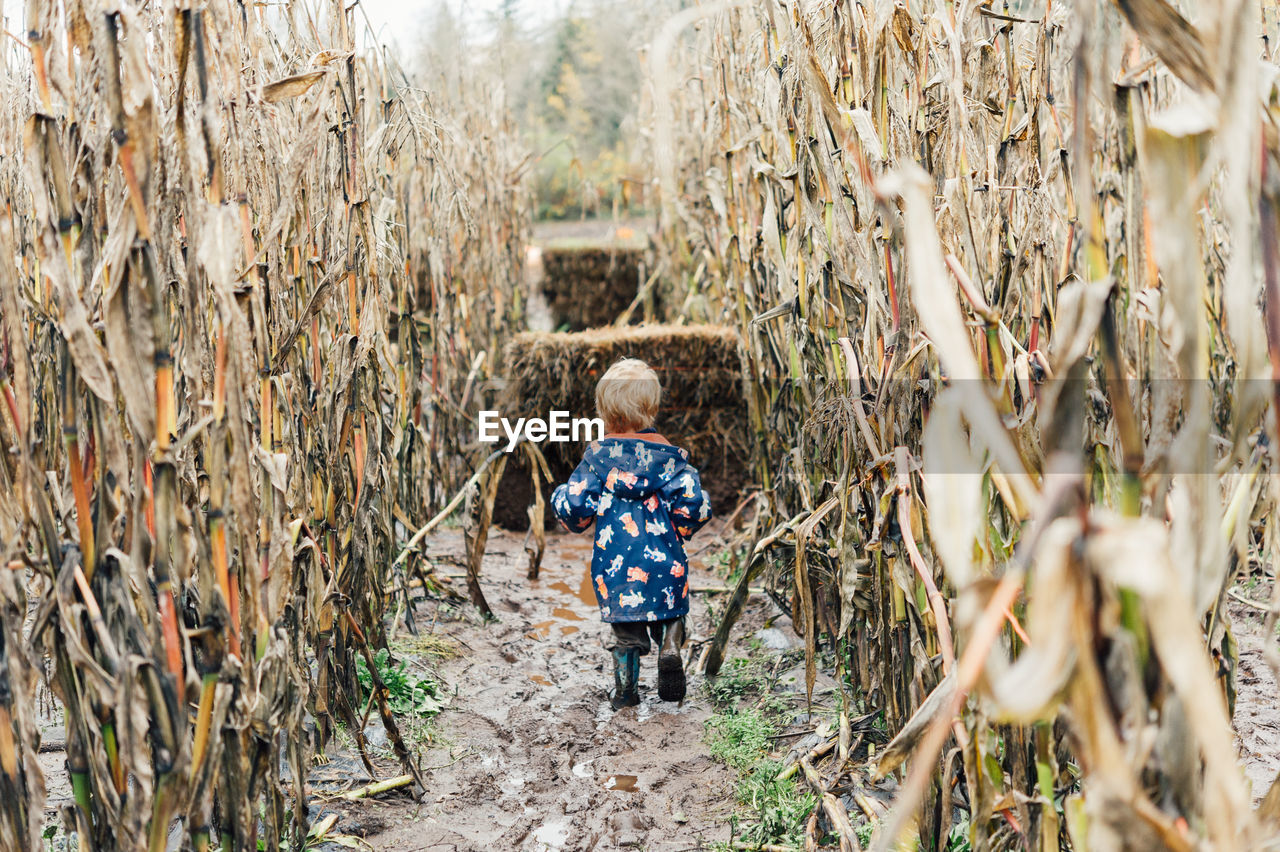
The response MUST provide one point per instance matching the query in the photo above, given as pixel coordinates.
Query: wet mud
(533, 758)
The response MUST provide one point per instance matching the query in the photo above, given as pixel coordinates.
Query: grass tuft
(739, 740)
(771, 811)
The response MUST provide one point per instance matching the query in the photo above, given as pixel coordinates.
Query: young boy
(646, 500)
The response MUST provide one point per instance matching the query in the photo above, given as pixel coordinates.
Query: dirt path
(542, 762)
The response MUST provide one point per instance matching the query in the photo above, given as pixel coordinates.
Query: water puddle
(512, 785)
(586, 590)
(621, 783)
(585, 593)
(552, 835)
(541, 630)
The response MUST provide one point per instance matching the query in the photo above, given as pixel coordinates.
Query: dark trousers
(636, 634)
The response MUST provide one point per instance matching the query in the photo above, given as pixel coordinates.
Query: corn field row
(252, 282)
(1008, 277)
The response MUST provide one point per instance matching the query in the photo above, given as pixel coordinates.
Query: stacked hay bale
(589, 286)
(703, 405)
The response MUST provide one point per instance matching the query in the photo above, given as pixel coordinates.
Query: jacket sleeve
(687, 504)
(575, 502)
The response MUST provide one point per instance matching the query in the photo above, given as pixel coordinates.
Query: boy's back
(645, 500)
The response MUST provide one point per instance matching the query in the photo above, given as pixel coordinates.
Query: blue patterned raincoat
(646, 500)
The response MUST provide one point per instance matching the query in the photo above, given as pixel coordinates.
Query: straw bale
(703, 407)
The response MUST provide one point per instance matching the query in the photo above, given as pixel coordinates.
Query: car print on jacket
(631, 488)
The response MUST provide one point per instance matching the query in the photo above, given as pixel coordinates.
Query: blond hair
(628, 395)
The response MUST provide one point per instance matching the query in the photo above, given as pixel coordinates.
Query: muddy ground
(531, 756)
(526, 754)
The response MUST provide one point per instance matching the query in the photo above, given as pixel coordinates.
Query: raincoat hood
(634, 468)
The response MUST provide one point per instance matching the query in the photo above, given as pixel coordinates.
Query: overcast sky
(399, 23)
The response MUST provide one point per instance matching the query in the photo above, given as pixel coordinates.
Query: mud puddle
(621, 783)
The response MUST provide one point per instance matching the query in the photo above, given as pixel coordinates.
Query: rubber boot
(626, 678)
(670, 665)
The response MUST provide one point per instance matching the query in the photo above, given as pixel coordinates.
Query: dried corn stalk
(247, 268)
(997, 271)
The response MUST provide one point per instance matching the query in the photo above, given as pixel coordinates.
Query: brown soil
(535, 758)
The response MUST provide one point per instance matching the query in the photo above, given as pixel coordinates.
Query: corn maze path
(542, 763)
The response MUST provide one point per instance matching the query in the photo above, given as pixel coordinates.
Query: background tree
(571, 78)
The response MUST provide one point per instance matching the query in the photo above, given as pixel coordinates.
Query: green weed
(55, 840)
(772, 811)
(408, 694)
(958, 837)
(776, 811)
(739, 677)
(720, 562)
(739, 740)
